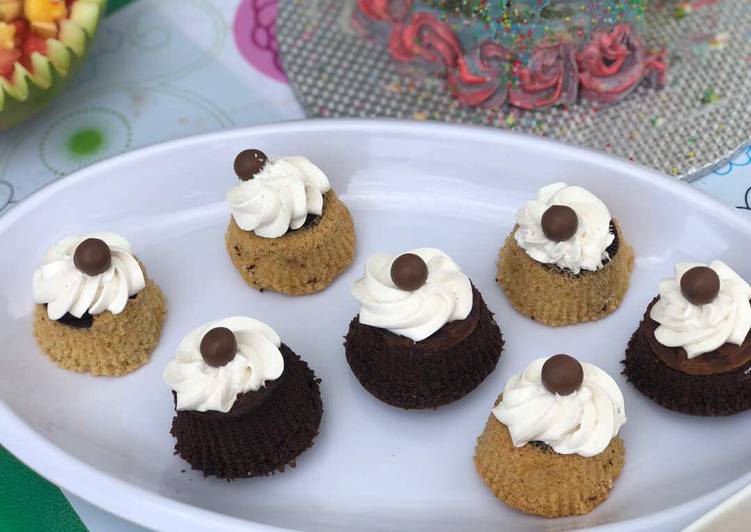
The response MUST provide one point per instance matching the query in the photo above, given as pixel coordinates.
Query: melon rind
(26, 93)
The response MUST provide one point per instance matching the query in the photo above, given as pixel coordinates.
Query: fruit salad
(41, 45)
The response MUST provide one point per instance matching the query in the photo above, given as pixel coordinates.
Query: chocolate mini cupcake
(97, 311)
(551, 446)
(288, 232)
(692, 350)
(424, 336)
(566, 260)
(246, 405)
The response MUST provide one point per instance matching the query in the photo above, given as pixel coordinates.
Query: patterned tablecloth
(162, 69)
(159, 70)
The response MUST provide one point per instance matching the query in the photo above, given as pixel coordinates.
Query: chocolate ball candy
(562, 374)
(700, 285)
(248, 163)
(409, 272)
(559, 223)
(92, 256)
(218, 347)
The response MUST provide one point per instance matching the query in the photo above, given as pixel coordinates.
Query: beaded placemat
(700, 121)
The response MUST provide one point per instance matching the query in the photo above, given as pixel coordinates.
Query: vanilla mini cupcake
(424, 336)
(97, 311)
(288, 232)
(551, 446)
(692, 350)
(246, 405)
(566, 260)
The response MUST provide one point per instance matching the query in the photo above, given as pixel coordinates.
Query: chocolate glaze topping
(727, 358)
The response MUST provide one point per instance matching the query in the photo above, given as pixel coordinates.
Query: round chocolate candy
(562, 374)
(218, 347)
(409, 272)
(559, 223)
(248, 163)
(92, 256)
(700, 285)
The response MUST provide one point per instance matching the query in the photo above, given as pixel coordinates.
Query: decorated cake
(692, 351)
(97, 310)
(551, 445)
(246, 405)
(424, 336)
(528, 53)
(566, 261)
(288, 232)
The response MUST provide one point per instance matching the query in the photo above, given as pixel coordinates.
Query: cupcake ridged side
(536, 480)
(411, 378)
(300, 262)
(555, 297)
(114, 345)
(264, 432)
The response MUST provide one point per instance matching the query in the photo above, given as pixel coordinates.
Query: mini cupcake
(246, 405)
(288, 232)
(97, 311)
(692, 350)
(566, 260)
(551, 446)
(424, 336)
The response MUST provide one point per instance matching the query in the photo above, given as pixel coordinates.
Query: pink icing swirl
(426, 37)
(614, 62)
(548, 78)
(391, 10)
(489, 75)
(475, 78)
(478, 76)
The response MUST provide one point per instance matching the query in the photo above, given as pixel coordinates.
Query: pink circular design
(255, 35)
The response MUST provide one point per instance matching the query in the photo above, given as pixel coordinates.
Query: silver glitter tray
(700, 121)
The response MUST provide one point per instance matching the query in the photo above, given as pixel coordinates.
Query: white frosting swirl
(586, 250)
(446, 296)
(279, 197)
(66, 289)
(201, 387)
(701, 329)
(583, 422)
